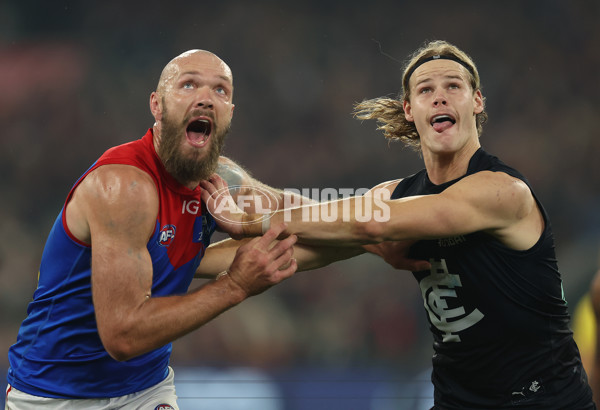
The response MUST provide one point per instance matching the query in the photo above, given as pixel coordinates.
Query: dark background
(75, 79)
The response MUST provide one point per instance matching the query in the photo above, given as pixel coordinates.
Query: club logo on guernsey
(437, 288)
(164, 407)
(166, 235)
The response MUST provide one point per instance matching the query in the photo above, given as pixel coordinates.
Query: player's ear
(478, 102)
(156, 106)
(407, 111)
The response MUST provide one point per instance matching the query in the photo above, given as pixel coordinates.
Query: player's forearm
(161, 320)
(363, 220)
(217, 258)
(314, 257)
(351, 221)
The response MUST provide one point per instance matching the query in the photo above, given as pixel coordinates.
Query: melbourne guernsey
(58, 352)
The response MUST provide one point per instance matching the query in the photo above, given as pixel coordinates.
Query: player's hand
(222, 207)
(396, 254)
(263, 262)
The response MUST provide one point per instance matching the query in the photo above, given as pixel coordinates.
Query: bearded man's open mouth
(199, 131)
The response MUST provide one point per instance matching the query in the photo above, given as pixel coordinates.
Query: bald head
(192, 61)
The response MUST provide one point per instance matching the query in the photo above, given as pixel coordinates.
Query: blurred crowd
(76, 79)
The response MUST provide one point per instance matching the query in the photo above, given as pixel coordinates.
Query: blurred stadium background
(75, 78)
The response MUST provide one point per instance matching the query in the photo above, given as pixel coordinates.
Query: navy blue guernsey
(498, 316)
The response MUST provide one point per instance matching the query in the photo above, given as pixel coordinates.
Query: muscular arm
(493, 202)
(219, 255)
(119, 205)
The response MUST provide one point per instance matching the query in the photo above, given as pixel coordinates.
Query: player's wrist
(236, 293)
(255, 224)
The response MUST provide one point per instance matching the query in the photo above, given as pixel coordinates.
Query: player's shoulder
(500, 181)
(119, 183)
(385, 187)
(112, 173)
(112, 196)
(495, 190)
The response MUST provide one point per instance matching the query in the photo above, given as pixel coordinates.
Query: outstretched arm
(493, 202)
(219, 256)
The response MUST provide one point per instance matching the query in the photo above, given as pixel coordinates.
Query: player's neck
(445, 167)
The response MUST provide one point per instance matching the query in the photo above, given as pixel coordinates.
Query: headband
(438, 57)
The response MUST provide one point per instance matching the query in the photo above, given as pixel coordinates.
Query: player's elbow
(118, 345)
(120, 350)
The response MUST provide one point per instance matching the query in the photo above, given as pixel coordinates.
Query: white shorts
(158, 397)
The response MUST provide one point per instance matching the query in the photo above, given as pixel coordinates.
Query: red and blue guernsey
(58, 352)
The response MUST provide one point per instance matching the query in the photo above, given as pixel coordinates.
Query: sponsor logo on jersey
(166, 235)
(534, 388)
(191, 207)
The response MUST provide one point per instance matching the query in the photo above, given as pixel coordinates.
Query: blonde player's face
(443, 106)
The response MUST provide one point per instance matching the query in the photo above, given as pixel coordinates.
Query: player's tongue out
(442, 126)
(441, 123)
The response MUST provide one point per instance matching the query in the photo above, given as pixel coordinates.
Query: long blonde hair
(389, 112)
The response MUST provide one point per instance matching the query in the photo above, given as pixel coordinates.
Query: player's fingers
(205, 195)
(207, 188)
(213, 184)
(281, 263)
(282, 259)
(252, 246)
(282, 246)
(219, 182)
(272, 233)
(286, 272)
(286, 265)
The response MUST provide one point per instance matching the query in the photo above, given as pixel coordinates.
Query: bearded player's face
(195, 116)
